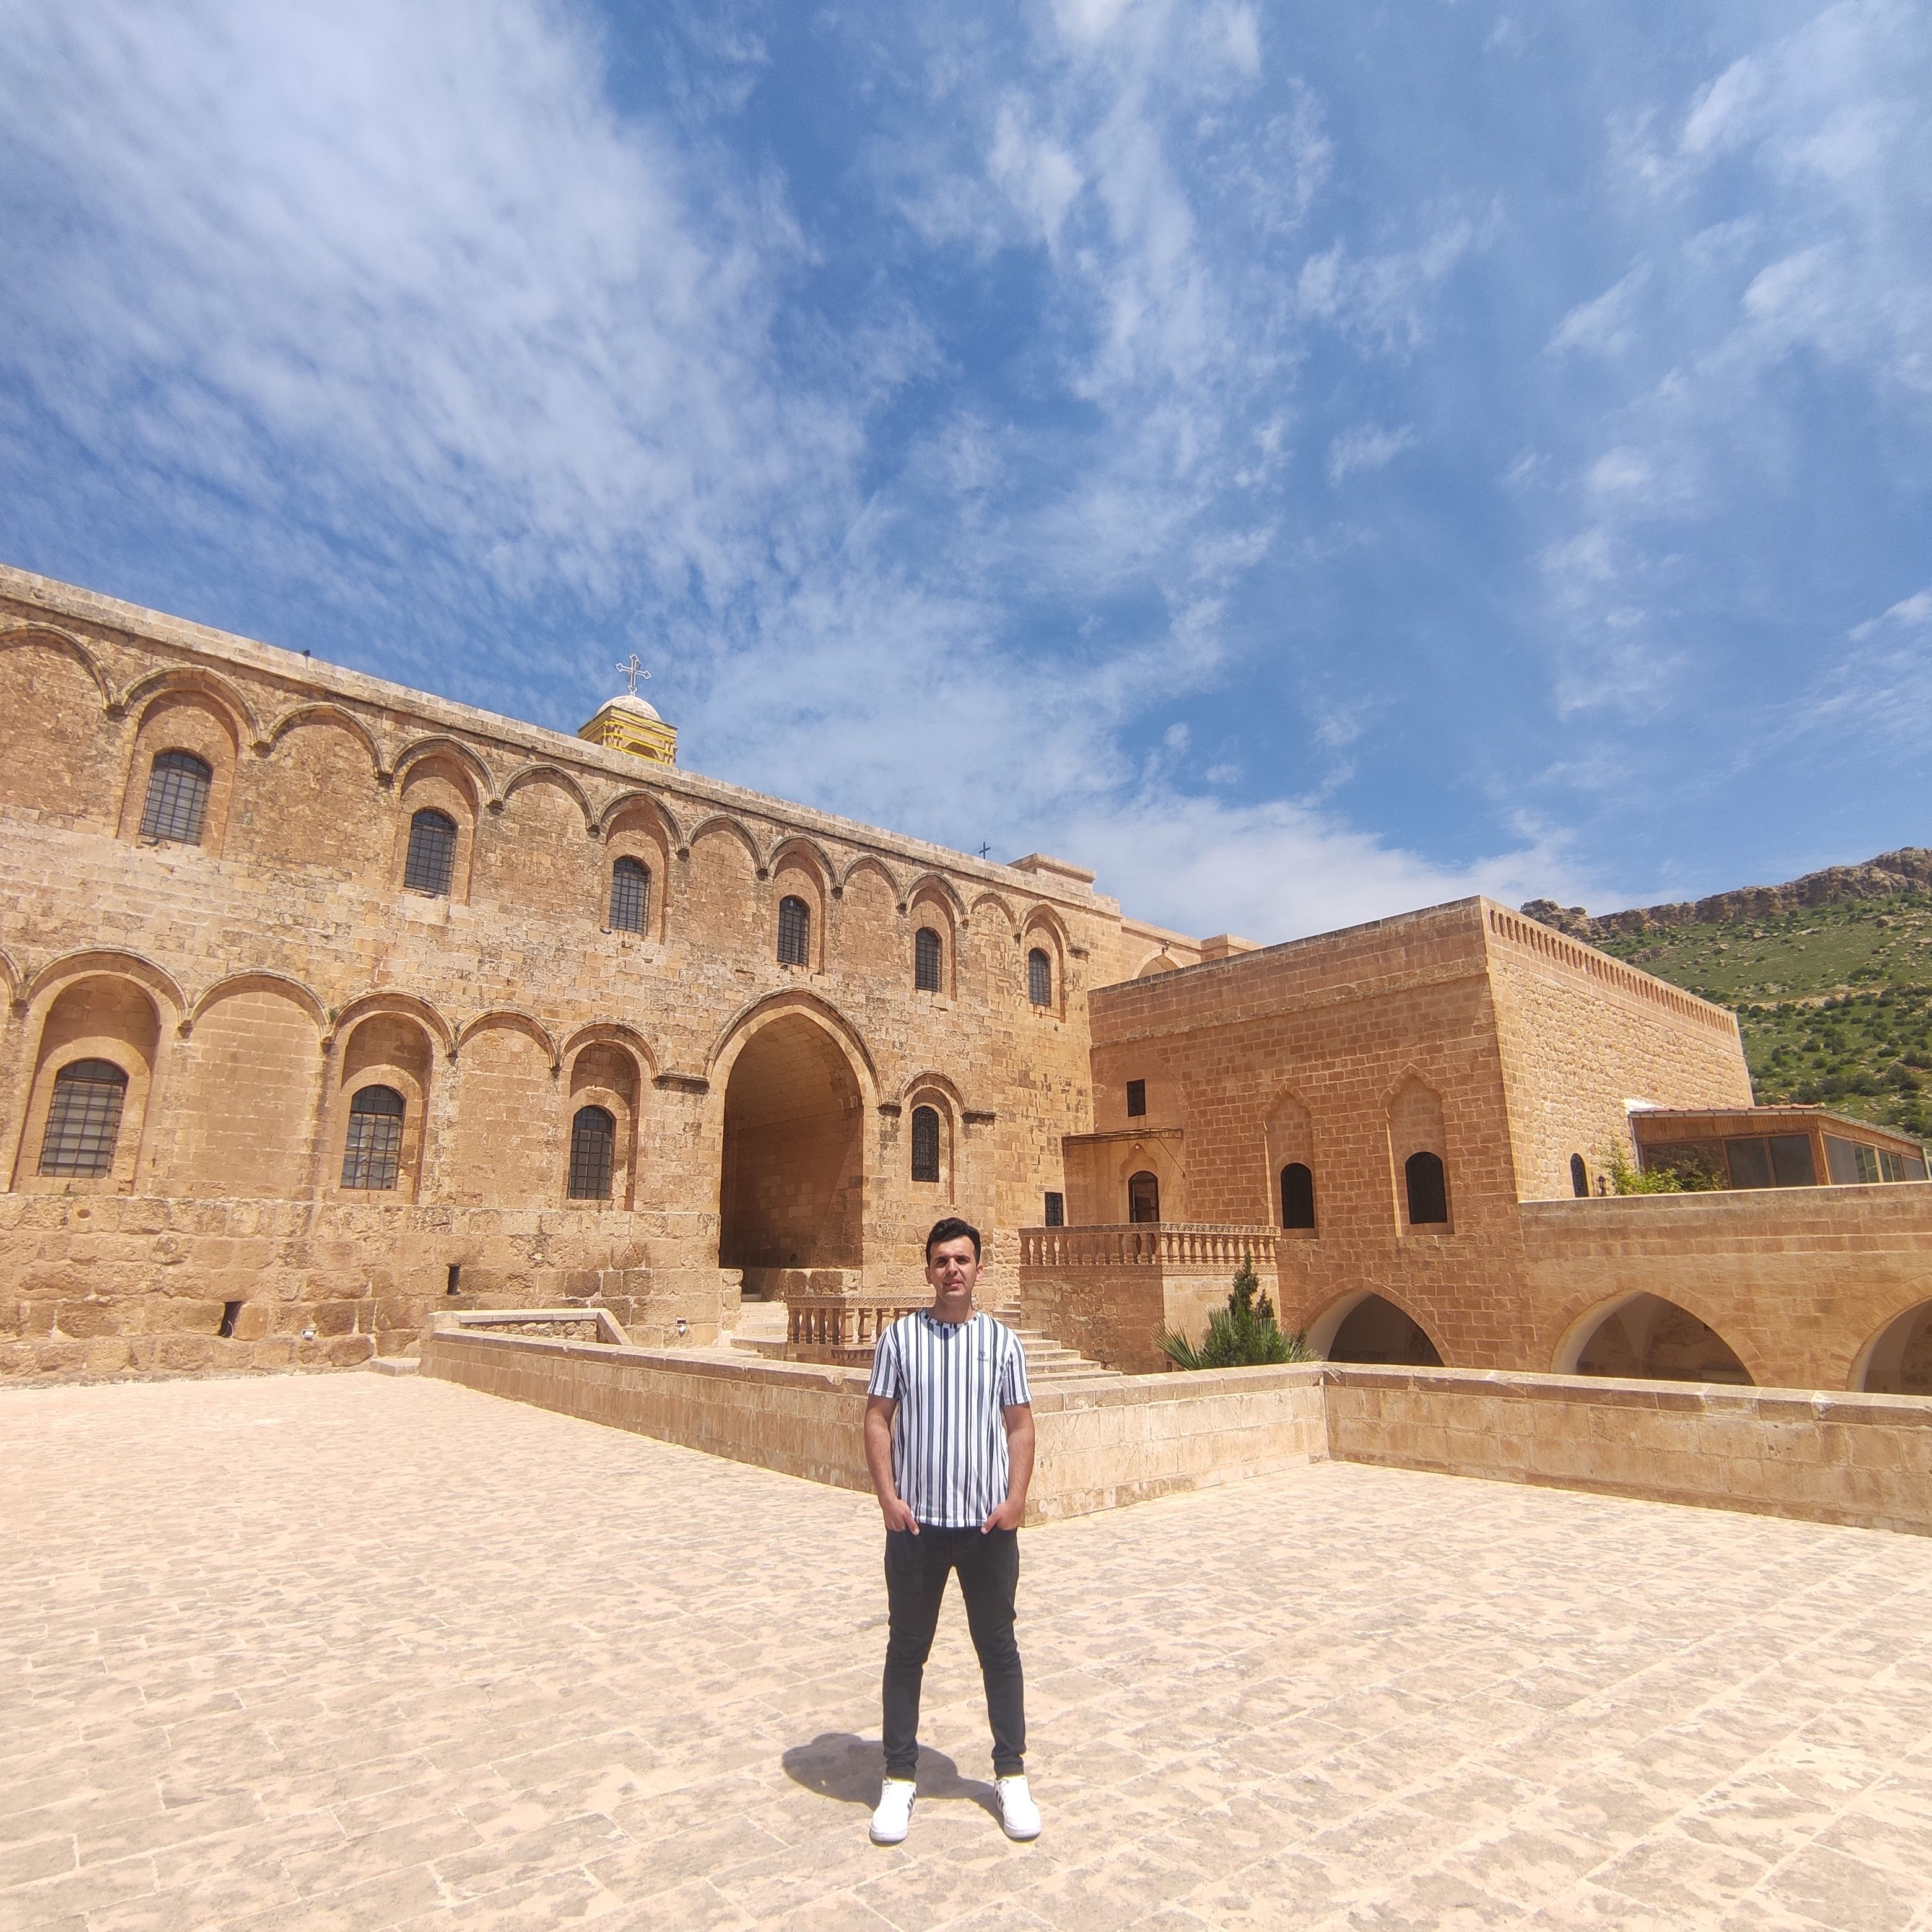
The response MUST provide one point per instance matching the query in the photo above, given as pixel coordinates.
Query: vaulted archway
(1648, 1339)
(791, 1194)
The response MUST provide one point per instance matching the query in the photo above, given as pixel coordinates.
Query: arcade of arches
(330, 1004)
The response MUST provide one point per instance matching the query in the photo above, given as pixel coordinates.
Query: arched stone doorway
(1651, 1339)
(1370, 1328)
(791, 1193)
(1899, 1361)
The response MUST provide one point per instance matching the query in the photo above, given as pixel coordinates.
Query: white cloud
(1720, 117)
(1909, 612)
(1040, 177)
(1367, 449)
(1385, 300)
(1605, 324)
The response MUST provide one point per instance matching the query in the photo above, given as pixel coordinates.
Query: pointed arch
(723, 821)
(1584, 1322)
(279, 982)
(1156, 964)
(613, 1033)
(388, 1000)
(635, 799)
(788, 843)
(934, 1083)
(10, 978)
(1326, 1327)
(1043, 918)
(937, 886)
(51, 635)
(414, 752)
(516, 1018)
(748, 1018)
(1010, 919)
(201, 681)
(542, 768)
(322, 712)
(869, 862)
(155, 980)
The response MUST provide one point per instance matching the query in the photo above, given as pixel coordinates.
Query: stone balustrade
(841, 1328)
(1175, 1244)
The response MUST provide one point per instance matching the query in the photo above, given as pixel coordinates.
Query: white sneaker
(893, 1818)
(1017, 1812)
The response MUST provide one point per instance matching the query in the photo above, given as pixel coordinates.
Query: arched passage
(791, 1194)
(1651, 1339)
(1371, 1328)
(1899, 1361)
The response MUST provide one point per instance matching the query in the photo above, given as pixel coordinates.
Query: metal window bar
(925, 1143)
(630, 895)
(177, 800)
(794, 933)
(1039, 978)
(84, 1119)
(432, 854)
(593, 1145)
(928, 956)
(372, 1156)
(1056, 1210)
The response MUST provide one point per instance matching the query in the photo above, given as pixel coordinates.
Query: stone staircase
(761, 1330)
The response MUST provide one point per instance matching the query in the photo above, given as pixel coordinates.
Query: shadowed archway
(1651, 1339)
(1370, 1328)
(792, 1191)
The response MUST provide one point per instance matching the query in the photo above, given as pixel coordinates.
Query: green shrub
(1243, 1335)
(1689, 1177)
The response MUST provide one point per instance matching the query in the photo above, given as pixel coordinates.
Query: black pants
(988, 1564)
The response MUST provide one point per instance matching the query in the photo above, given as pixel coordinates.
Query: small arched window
(593, 1147)
(928, 960)
(432, 854)
(1580, 1177)
(1143, 1197)
(794, 933)
(372, 1153)
(1297, 1195)
(925, 1143)
(630, 895)
(1039, 977)
(84, 1119)
(177, 800)
(1427, 1189)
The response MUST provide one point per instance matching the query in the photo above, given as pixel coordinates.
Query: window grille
(925, 1143)
(928, 956)
(177, 800)
(1136, 1099)
(630, 896)
(1427, 1189)
(794, 933)
(593, 1147)
(84, 1119)
(1039, 978)
(372, 1153)
(1297, 1195)
(432, 854)
(1056, 1210)
(1143, 1197)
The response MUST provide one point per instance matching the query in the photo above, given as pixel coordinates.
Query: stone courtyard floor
(338, 1652)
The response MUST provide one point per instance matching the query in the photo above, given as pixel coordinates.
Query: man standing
(949, 1440)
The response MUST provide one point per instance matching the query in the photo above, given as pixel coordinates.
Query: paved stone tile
(342, 1654)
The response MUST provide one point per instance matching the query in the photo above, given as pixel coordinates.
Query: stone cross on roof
(633, 669)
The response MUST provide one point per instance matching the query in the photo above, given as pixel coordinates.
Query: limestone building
(331, 1003)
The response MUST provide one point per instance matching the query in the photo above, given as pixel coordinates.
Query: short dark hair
(951, 1229)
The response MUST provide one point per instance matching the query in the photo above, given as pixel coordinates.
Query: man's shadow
(837, 1765)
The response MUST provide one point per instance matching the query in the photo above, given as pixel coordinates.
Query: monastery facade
(331, 1004)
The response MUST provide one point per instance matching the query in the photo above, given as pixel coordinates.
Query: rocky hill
(1830, 976)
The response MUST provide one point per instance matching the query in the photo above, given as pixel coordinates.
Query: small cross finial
(984, 850)
(633, 669)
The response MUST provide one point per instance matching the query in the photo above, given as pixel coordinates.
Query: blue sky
(1304, 462)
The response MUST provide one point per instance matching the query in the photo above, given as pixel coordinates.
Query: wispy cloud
(1367, 449)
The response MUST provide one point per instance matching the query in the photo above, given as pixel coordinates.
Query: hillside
(1830, 976)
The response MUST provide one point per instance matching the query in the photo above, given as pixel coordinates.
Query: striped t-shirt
(951, 1380)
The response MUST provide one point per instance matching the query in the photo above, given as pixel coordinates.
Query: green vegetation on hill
(1834, 1001)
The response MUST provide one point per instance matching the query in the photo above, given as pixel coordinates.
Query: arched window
(925, 1143)
(432, 854)
(1039, 977)
(1297, 1195)
(928, 960)
(84, 1121)
(794, 933)
(372, 1153)
(593, 1147)
(1428, 1191)
(630, 895)
(1580, 1177)
(1143, 1197)
(177, 800)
